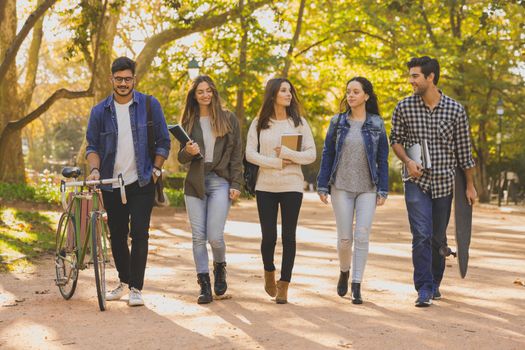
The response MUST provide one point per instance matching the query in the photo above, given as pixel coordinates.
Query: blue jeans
(428, 223)
(207, 218)
(345, 204)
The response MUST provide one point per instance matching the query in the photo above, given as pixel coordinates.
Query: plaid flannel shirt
(446, 129)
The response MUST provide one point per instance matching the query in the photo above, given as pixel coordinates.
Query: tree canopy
(55, 58)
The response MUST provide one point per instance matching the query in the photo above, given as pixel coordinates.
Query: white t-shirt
(125, 158)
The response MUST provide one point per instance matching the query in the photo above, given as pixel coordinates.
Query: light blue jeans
(207, 218)
(345, 204)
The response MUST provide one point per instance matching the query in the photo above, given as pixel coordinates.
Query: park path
(484, 311)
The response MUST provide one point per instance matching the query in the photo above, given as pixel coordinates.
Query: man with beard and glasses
(117, 137)
(430, 120)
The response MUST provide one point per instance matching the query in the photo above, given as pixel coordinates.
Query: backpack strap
(151, 132)
(151, 148)
(258, 141)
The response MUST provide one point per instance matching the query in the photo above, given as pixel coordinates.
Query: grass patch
(25, 235)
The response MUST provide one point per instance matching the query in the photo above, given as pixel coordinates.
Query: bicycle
(82, 230)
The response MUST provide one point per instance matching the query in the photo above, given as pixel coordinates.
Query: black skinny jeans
(268, 205)
(135, 214)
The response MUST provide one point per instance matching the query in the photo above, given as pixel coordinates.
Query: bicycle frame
(82, 231)
(92, 196)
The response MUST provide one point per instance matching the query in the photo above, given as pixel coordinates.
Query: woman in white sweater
(280, 179)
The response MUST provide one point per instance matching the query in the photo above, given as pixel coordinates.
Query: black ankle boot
(342, 285)
(356, 293)
(204, 281)
(219, 275)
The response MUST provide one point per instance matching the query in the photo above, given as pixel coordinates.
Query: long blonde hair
(220, 123)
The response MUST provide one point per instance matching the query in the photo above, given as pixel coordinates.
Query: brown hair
(220, 123)
(267, 110)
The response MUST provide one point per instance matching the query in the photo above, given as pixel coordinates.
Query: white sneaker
(116, 293)
(135, 297)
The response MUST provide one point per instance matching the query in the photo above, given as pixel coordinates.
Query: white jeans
(345, 204)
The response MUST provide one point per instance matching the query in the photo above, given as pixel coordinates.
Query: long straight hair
(268, 110)
(371, 105)
(220, 123)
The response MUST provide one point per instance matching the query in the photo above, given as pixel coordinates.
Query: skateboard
(463, 219)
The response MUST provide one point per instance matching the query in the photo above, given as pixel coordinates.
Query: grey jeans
(345, 204)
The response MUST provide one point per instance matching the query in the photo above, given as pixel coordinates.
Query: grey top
(353, 173)
(209, 139)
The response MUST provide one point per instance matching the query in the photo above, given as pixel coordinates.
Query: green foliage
(84, 19)
(479, 44)
(47, 193)
(395, 183)
(44, 192)
(24, 235)
(11, 192)
(174, 181)
(176, 197)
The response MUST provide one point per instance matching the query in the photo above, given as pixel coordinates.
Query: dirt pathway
(484, 311)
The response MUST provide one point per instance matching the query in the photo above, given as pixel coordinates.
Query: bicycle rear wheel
(66, 256)
(99, 261)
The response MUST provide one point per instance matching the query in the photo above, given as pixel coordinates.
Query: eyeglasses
(123, 79)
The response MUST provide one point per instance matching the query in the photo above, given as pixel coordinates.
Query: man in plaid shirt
(432, 117)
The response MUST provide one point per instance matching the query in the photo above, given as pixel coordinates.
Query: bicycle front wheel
(99, 261)
(66, 256)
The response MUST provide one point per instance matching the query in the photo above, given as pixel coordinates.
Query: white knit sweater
(272, 176)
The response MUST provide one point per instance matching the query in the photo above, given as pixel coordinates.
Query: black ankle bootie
(219, 274)
(356, 293)
(342, 285)
(205, 296)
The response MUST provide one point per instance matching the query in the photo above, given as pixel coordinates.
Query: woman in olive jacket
(213, 180)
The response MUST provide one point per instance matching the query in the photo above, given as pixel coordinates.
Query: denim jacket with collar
(376, 146)
(102, 136)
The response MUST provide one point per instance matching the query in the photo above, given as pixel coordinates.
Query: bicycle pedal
(61, 281)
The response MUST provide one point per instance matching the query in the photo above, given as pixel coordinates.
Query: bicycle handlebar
(116, 180)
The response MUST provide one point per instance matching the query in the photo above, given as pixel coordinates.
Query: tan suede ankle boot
(282, 292)
(269, 283)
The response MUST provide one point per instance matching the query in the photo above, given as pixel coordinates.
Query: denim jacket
(102, 136)
(376, 146)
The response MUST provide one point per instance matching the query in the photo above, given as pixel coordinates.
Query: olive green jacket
(227, 159)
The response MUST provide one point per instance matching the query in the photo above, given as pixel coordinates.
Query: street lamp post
(499, 111)
(193, 68)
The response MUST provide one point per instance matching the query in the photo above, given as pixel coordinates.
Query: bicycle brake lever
(63, 193)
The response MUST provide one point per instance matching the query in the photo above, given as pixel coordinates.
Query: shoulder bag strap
(151, 132)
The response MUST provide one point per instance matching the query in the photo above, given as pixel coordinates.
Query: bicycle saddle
(71, 171)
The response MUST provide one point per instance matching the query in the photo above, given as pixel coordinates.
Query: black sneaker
(423, 300)
(436, 295)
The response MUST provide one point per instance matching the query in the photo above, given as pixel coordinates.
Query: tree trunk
(295, 39)
(102, 70)
(32, 63)
(11, 160)
(482, 180)
(239, 108)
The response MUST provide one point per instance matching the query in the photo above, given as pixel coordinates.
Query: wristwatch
(157, 171)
